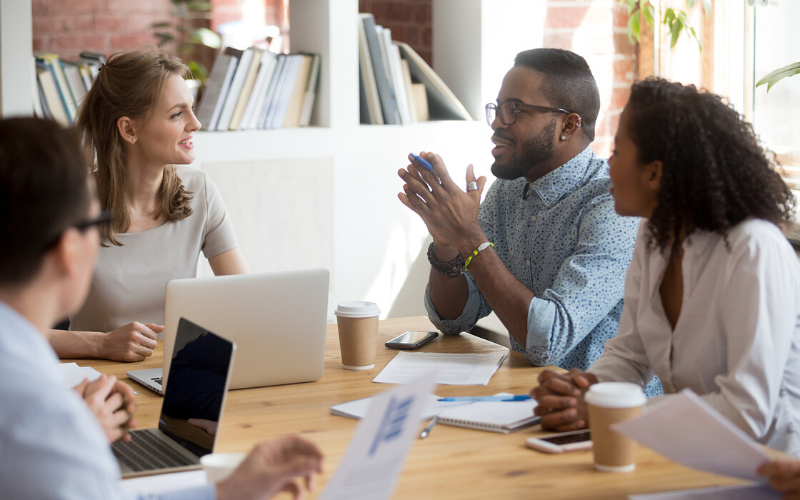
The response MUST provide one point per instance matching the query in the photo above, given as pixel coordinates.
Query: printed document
(747, 492)
(372, 463)
(453, 369)
(687, 430)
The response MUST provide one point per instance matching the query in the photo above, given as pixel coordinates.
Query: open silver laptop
(192, 409)
(278, 320)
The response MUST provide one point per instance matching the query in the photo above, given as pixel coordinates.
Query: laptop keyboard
(157, 380)
(146, 452)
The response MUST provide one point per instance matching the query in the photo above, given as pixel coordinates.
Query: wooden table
(450, 463)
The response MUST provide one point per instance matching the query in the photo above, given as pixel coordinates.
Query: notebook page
(498, 416)
(453, 369)
(358, 408)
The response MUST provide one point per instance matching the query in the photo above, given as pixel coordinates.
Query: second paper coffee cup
(358, 333)
(609, 403)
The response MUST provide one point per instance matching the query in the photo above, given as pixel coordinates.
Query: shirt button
(529, 263)
(533, 218)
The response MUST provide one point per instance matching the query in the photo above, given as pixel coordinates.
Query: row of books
(257, 89)
(61, 85)
(397, 86)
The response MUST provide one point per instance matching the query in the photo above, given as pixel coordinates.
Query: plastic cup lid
(357, 309)
(615, 395)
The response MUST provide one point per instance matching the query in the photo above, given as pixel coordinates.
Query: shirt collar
(560, 181)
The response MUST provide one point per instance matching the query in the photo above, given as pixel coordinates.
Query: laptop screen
(198, 380)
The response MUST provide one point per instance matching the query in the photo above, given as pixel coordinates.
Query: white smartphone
(560, 443)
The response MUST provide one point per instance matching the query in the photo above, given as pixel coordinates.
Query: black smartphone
(411, 340)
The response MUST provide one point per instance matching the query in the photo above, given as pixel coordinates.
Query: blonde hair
(129, 84)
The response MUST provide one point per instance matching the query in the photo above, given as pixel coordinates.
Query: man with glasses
(545, 250)
(51, 446)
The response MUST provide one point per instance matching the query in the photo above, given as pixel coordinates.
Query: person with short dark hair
(52, 446)
(712, 296)
(545, 250)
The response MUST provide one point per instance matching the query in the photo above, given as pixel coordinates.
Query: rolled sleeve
(475, 309)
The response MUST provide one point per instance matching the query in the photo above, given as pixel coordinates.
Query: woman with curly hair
(712, 295)
(137, 121)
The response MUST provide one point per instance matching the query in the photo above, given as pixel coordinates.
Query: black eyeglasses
(510, 109)
(105, 216)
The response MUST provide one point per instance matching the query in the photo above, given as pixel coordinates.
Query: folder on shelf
(382, 34)
(53, 102)
(312, 87)
(373, 114)
(75, 81)
(298, 93)
(247, 88)
(54, 62)
(210, 107)
(259, 94)
(232, 98)
(399, 82)
(269, 101)
(283, 93)
(390, 115)
(442, 103)
(412, 104)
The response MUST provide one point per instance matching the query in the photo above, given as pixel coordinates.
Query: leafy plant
(182, 33)
(778, 75)
(676, 20)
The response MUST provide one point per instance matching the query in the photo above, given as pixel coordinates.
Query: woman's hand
(560, 399)
(113, 405)
(132, 342)
(273, 467)
(784, 476)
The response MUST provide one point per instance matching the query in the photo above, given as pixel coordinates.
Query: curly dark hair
(715, 175)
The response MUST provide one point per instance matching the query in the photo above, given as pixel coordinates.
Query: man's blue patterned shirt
(560, 237)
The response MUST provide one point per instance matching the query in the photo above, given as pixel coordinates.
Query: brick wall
(409, 20)
(68, 27)
(597, 30)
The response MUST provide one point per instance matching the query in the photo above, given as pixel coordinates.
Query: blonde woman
(138, 121)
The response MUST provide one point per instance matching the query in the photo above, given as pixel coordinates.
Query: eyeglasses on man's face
(105, 216)
(509, 110)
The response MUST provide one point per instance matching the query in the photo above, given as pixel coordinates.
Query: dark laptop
(191, 414)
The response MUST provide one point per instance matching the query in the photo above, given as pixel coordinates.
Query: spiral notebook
(501, 417)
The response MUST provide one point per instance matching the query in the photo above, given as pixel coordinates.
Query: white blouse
(737, 340)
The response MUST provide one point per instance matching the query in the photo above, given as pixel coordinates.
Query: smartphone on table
(563, 442)
(411, 340)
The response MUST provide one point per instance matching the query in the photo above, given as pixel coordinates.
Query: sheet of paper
(358, 408)
(453, 369)
(72, 374)
(687, 430)
(373, 460)
(161, 483)
(747, 492)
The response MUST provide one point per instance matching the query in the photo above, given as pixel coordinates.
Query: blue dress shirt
(51, 446)
(561, 238)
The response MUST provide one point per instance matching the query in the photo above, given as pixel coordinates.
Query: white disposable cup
(358, 333)
(219, 466)
(609, 403)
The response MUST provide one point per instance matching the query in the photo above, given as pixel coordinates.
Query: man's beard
(536, 153)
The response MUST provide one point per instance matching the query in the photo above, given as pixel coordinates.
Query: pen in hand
(429, 427)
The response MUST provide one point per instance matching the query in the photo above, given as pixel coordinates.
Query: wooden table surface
(450, 463)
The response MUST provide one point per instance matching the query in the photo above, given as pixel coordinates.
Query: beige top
(130, 281)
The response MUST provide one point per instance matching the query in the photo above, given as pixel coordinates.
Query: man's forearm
(504, 293)
(68, 344)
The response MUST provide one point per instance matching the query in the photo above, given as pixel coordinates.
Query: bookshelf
(322, 196)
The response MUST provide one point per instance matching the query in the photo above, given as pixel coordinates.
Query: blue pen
(422, 162)
(469, 399)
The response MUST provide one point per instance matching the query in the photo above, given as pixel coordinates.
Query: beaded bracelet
(452, 269)
(481, 248)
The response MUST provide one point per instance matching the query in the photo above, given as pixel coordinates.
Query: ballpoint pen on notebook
(515, 397)
(429, 427)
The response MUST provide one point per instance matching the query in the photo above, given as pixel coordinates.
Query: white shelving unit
(323, 196)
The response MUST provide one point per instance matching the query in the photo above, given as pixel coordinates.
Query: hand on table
(784, 476)
(560, 398)
(449, 213)
(113, 405)
(272, 467)
(131, 342)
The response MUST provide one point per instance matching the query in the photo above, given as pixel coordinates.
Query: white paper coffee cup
(219, 466)
(609, 403)
(358, 333)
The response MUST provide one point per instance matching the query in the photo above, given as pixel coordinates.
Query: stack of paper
(453, 369)
(72, 374)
